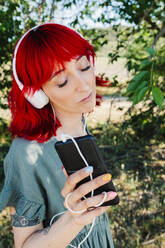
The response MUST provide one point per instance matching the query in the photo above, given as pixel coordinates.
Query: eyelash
(65, 82)
(86, 68)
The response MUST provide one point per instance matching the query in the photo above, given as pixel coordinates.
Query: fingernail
(107, 177)
(89, 169)
(112, 194)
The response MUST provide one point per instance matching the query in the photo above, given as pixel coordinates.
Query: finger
(93, 201)
(64, 171)
(88, 216)
(73, 179)
(87, 187)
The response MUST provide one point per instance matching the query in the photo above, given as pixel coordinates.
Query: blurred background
(129, 41)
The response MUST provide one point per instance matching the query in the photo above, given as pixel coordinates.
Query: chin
(90, 107)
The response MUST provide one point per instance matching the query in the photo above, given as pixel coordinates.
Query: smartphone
(73, 162)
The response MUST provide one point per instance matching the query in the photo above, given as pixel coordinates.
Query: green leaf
(145, 63)
(141, 76)
(158, 96)
(132, 86)
(138, 96)
(137, 80)
(151, 51)
(142, 85)
(142, 93)
(135, 99)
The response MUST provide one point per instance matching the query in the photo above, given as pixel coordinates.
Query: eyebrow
(57, 72)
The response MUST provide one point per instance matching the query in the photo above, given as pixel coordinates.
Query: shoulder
(25, 150)
(30, 146)
(24, 145)
(22, 155)
(30, 157)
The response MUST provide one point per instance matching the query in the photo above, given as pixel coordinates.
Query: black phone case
(72, 162)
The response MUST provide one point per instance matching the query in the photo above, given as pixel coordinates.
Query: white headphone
(39, 99)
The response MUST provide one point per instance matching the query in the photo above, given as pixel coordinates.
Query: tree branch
(147, 18)
(52, 11)
(39, 8)
(153, 240)
(161, 33)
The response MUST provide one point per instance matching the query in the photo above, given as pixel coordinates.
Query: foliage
(6, 237)
(143, 47)
(5, 141)
(137, 166)
(142, 44)
(145, 81)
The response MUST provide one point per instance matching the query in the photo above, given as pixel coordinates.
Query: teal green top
(33, 182)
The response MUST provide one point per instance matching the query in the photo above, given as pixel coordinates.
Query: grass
(138, 175)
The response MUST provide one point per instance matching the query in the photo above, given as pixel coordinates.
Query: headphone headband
(39, 99)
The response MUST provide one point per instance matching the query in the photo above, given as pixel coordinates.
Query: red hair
(41, 52)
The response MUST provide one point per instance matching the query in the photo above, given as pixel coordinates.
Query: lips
(88, 98)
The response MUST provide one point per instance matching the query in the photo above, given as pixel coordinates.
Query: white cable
(84, 121)
(105, 196)
(93, 222)
(63, 138)
(55, 217)
(67, 206)
(83, 210)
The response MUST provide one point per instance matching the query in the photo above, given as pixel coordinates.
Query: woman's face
(72, 90)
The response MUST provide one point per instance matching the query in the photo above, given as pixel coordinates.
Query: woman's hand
(75, 202)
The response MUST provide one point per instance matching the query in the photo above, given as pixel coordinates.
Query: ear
(91, 61)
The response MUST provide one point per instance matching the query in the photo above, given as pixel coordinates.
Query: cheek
(62, 96)
(54, 93)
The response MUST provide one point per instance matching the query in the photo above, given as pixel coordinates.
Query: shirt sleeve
(21, 221)
(22, 188)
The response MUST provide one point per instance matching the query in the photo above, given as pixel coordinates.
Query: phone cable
(64, 139)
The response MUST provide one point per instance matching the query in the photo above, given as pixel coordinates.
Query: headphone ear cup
(39, 99)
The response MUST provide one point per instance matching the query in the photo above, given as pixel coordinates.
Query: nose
(81, 83)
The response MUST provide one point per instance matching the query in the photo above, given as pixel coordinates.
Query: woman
(53, 89)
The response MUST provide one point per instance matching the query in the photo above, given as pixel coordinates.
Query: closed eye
(63, 84)
(86, 68)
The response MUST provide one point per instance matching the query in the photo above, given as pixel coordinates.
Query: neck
(71, 124)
